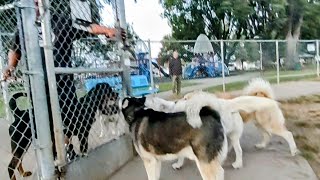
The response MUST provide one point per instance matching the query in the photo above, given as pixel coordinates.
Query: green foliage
(227, 19)
(242, 19)
(248, 51)
(169, 44)
(311, 21)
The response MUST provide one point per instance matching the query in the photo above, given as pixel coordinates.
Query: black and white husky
(160, 136)
(228, 110)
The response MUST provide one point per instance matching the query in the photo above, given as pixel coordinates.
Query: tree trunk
(292, 41)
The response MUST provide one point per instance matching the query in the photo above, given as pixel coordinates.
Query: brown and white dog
(160, 136)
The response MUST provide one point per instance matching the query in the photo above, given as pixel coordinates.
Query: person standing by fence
(175, 70)
(63, 35)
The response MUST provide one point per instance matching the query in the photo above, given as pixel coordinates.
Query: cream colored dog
(269, 121)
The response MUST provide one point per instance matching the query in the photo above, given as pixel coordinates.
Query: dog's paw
(260, 146)
(27, 174)
(237, 165)
(176, 166)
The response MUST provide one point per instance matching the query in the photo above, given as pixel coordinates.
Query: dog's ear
(125, 103)
(141, 100)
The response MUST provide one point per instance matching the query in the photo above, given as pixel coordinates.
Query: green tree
(248, 51)
(295, 13)
(227, 19)
(169, 44)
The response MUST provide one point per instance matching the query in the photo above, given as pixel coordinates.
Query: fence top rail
(6, 34)
(231, 40)
(61, 70)
(7, 6)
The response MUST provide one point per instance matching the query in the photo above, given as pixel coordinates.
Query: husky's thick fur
(232, 123)
(160, 136)
(228, 109)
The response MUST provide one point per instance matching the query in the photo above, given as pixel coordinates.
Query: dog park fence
(10, 17)
(95, 59)
(244, 59)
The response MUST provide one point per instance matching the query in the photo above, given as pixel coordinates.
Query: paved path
(272, 163)
(209, 82)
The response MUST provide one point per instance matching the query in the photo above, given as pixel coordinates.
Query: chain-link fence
(71, 55)
(89, 75)
(242, 59)
(16, 125)
(63, 101)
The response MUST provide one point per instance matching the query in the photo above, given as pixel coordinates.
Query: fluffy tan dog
(268, 121)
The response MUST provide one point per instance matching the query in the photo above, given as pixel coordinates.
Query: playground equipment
(144, 67)
(140, 78)
(204, 68)
(139, 84)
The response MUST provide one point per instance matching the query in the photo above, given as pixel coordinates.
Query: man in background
(175, 70)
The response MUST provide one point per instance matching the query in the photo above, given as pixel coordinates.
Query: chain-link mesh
(97, 118)
(16, 122)
(88, 101)
(243, 60)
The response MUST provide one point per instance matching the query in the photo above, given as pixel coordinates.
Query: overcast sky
(145, 17)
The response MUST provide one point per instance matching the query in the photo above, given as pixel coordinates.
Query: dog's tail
(224, 150)
(13, 101)
(259, 87)
(251, 104)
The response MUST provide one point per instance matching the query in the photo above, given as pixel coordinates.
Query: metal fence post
(150, 64)
(277, 61)
(44, 144)
(317, 57)
(260, 51)
(125, 61)
(222, 61)
(49, 59)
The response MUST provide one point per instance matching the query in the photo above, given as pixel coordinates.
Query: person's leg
(67, 102)
(174, 80)
(179, 84)
(67, 98)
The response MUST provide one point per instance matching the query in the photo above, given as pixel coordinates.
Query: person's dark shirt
(175, 66)
(62, 39)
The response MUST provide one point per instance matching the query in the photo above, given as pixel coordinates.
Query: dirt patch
(303, 119)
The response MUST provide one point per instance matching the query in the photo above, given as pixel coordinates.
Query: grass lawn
(273, 80)
(303, 119)
(167, 86)
(305, 70)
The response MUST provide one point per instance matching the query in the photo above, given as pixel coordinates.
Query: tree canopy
(243, 19)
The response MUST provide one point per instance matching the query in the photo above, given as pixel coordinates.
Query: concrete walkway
(209, 82)
(272, 163)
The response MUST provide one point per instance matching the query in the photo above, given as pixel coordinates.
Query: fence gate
(63, 102)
